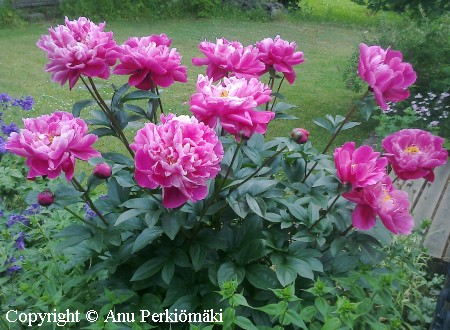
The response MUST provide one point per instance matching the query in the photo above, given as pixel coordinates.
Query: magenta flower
(300, 135)
(381, 199)
(150, 62)
(226, 58)
(180, 155)
(79, 48)
(52, 143)
(414, 153)
(360, 167)
(280, 55)
(102, 171)
(233, 103)
(46, 198)
(385, 73)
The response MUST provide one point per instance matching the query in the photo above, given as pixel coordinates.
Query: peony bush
(202, 212)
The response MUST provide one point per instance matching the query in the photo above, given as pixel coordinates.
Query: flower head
(281, 55)
(102, 171)
(229, 57)
(180, 155)
(26, 103)
(52, 143)
(77, 48)
(150, 62)
(233, 103)
(381, 199)
(414, 153)
(8, 129)
(300, 135)
(360, 167)
(385, 73)
(46, 198)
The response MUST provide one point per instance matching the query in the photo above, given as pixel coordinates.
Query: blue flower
(2, 146)
(33, 209)
(5, 99)
(15, 268)
(26, 103)
(20, 241)
(8, 129)
(15, 218)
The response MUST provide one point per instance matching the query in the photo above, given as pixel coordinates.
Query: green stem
(345, 232)
(271, 82)
(326, 212)
(278, 91)
(159, 99)
(266, 162)
(79, 217)
(333, 137)
(88, 200)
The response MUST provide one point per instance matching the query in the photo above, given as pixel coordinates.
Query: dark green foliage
(8, 17)
(416, 8)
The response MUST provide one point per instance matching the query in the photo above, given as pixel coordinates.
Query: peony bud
(46, 198)
(300, 135)
(102, 171)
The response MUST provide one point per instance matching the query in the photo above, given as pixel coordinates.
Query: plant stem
(88, 200)
(333, 137)
(326, 212)
(266, 162)
(345, 232)
(79, 217)
(159, 99)
(278, 91)
(271, 82)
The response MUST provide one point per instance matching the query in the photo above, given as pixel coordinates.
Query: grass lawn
(318, 90)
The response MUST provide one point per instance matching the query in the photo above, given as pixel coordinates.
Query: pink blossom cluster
(179, 155)
(385, 73)
(52, 143)
(79, 48)
(151, 62)
(233, 103)
(226, 58)
(412, 153)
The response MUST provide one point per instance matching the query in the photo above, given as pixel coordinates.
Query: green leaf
(301, 267)
(118, 158)
(262, 277)
(308, 313)
(254, 155)
(286, 273)
(275, 309)
(144, 203)
(294, 318)
(167, 272)
(128, 215)
(149, 268)
(228, 318)
(282, 106)
(198, 255)
(250, 251)
(171, 225)
(187, 303)
(73, 235)
(103, 131)
(332, 324)
(145, 238)
(229, 272)
(254, 205)
(125, 179)
(322, 306)
(239, 207)
(238, 300)
(138, 95)
(244, 323)
(118, 93)
(80, 105)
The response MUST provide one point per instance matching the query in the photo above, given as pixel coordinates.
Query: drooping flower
(360, 167)
(52, 143)
(77, 48)
(225, 58)
(300, 135)
(280, 55)
(150, 62)
(381, 199)
(179, 155)
(233, 103)
(414, 153)
(385, 73)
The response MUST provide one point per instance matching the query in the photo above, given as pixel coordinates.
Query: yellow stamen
(413, 149)
(387, 197)
(224, 93)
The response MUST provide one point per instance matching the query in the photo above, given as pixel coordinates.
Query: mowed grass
(318, 90)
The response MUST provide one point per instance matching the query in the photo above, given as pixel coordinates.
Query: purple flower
(5, 99)
(33, 209)
(17, 218)
(8, 129)
(2, 146)
(20, 241)
(26, 103)
(15, 268)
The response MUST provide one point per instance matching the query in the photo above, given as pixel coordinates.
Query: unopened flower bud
(102, 171)
(300, 135)
(46, 198)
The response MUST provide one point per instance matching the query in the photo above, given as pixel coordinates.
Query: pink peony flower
(46, 198)
(233, 102)
(79, 48)
(225, 57)
(51, 144)
(180, 155)
(150, 62)
(385, 73)
(381, 199)
(414, 153)
(102, 171)
(280, 55)
(360, 167)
